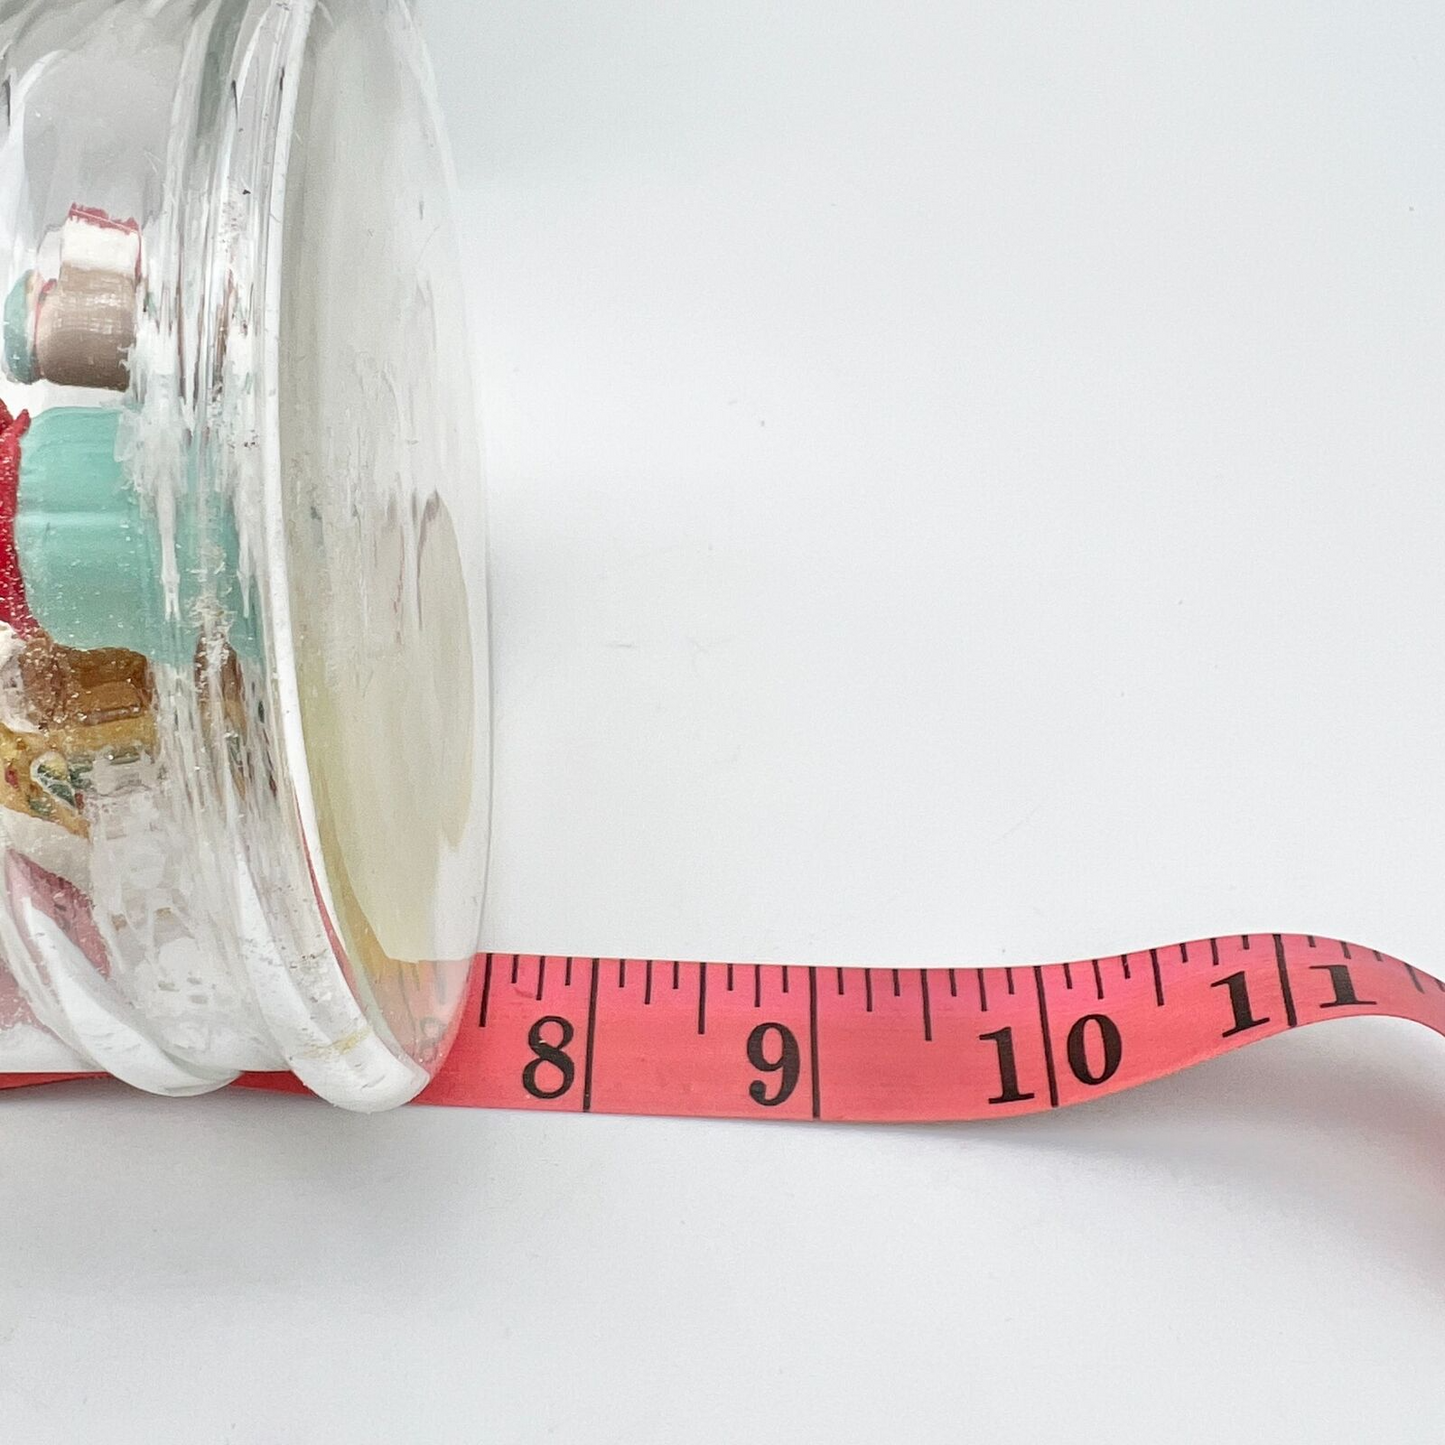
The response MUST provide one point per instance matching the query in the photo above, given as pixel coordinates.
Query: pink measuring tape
(659, 1036)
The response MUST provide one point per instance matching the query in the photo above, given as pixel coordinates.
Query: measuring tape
(732, 1040)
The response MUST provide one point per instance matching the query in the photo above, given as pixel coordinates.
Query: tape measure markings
(687, 1038)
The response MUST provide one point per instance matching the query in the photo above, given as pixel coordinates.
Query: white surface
(966, 487)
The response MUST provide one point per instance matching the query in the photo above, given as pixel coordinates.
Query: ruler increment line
(486, 993)
(1048, 1041)
(591, 1037)
(1285, 987)
(814, 1065)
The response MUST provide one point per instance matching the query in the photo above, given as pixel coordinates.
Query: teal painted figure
(20, 309)
(88, 547)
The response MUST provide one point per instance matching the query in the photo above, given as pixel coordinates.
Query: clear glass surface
(243, 668)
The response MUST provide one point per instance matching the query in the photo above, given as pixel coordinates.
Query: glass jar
(243, 666)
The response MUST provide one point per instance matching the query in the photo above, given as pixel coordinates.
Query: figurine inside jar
(84, 635)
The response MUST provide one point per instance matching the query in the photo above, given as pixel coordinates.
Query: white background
(966, 488)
